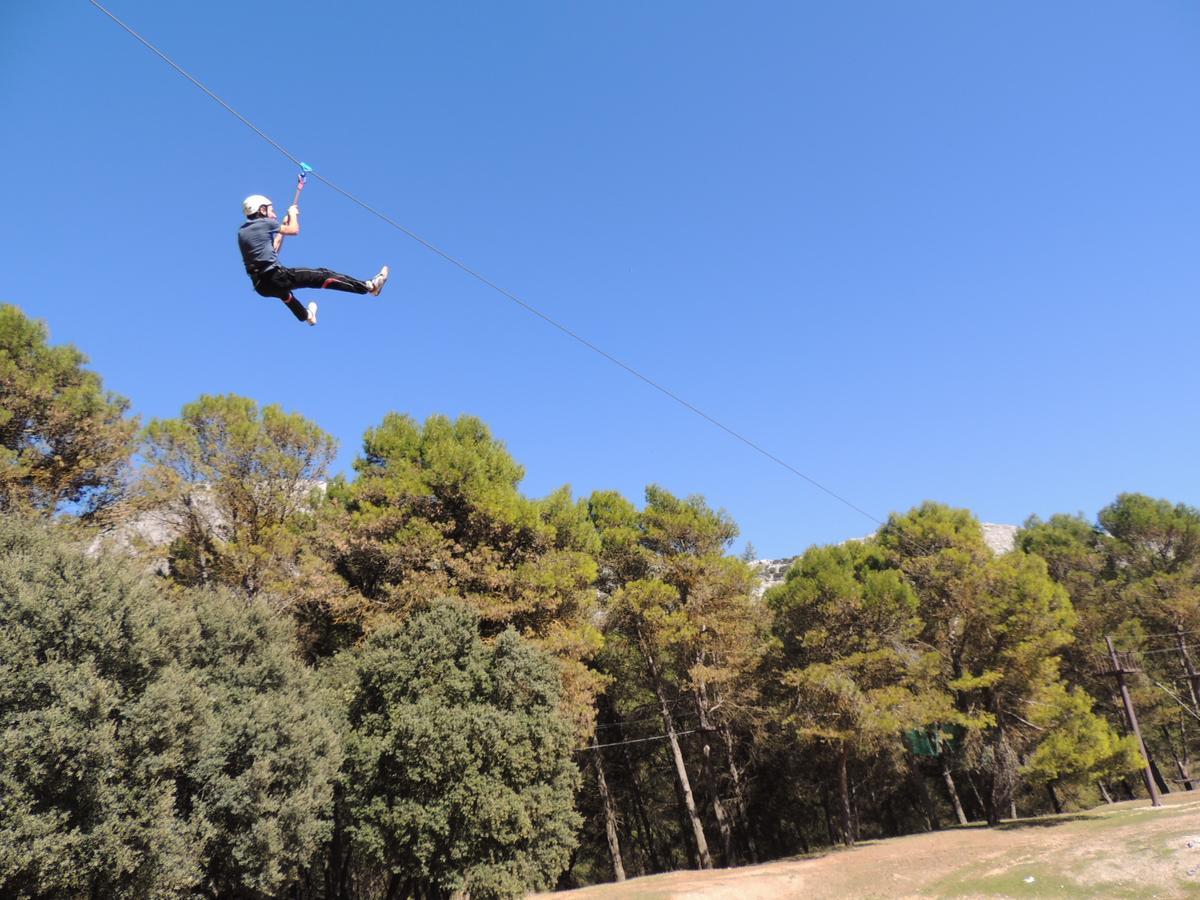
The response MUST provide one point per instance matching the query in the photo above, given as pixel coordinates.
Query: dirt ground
(1123, 850)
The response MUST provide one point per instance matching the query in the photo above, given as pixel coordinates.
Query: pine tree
(1000, 625)
(1136, 572)
(846, 622)
(236, 489)
(64, 440)
(683, 628)
(436, 511)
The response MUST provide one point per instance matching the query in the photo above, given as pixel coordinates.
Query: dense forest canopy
(226, 672)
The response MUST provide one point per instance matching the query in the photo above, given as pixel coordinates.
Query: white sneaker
(375, 285)
(312, 314)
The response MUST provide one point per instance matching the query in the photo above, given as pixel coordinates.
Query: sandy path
(1124, 850)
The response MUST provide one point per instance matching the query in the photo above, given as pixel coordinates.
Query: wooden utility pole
(1119, 672)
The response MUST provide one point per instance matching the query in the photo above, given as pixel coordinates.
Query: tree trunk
(991, 807)
(980, 808)
(829, 828)
(1158, 779)
(729, 852)
(1184, 777)
(948, 779)
(337, 870)
(1193, 679)
(1104, 792)
(649, 844)
(917, 780)
(685, 826)
(1000, 797)
(685, 785)
(1057, 807)
(710, 775)
(848, 830)
(887, 810)
(803, 838)
(610, 814)
(739, 793)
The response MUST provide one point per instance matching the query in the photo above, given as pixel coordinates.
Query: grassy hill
(1122, 850)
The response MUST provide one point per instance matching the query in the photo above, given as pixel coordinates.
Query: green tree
(1078, 746)
(64, 440)
(684, 628)
(1135, 573)
(1078, 556)
(236, 487)
(458, 772)
(1155, 555)
(1155, 562)
(846, 623)
(436, 511)
(151, 745)
(719, 650)
(999, 625)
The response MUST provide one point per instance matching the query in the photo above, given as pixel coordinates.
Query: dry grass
(1123, 850)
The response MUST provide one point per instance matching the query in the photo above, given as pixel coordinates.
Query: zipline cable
(487, 281)
(170, 62)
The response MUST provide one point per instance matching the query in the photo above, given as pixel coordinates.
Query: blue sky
(920, 250)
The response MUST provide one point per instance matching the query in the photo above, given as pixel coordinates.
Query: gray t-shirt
(256, 240)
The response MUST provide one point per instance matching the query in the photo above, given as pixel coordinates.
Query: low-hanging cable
(1162, 650)
(627, 722)
(488, 282)
(657, 737)
(1171, 633)
(1170, 693)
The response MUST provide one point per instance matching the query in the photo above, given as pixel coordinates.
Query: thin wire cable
(1191, 712)
(637, 721)
(487, 281)
(657, 737)
(170, 62)
(1171, 633)
(1162, 650)
(595, 349)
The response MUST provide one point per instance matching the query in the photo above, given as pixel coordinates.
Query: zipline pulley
(305, 171)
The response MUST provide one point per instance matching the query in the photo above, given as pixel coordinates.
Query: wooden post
(1119, 672)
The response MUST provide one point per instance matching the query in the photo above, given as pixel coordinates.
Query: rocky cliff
(999, 538)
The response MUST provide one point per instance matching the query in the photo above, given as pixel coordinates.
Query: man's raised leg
(327, 279)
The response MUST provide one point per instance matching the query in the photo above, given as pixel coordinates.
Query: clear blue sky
(919, 250)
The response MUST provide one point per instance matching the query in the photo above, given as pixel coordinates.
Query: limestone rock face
(149, 532)
(999, 538)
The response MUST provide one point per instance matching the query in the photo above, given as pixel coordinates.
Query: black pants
(280, 281)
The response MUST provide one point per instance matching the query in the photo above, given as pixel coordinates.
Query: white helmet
(253, 203)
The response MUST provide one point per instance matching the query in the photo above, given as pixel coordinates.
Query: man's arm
(289, 226)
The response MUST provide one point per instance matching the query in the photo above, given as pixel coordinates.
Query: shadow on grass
(1041, 822)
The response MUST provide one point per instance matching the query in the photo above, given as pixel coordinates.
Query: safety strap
(305, 170)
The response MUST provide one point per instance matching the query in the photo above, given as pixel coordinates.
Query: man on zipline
(259, 239)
